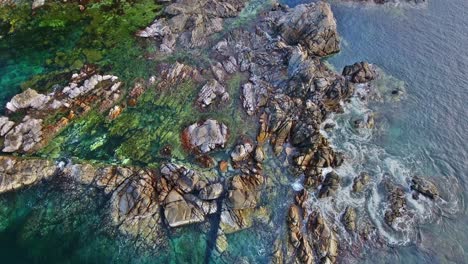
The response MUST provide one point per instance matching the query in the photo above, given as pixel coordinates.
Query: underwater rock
(205, 136)
(360, 72)
(210, 92)
(84, 91)
(424, 187)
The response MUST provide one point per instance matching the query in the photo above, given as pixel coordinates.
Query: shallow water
(424, 133)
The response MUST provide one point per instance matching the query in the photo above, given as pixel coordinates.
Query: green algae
(58, 38)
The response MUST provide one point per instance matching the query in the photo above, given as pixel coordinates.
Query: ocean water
(421, 50)
(425, 133)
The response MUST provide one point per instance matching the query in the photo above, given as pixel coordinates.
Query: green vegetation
(59, 38)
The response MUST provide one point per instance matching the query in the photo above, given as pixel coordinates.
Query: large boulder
(312, 26)
(17, 173)
(205, 136)
(360, 72)
(26, 99)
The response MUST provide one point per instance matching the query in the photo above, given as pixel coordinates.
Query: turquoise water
(425, 133)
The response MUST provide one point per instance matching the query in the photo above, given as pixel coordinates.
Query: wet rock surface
(205, 136)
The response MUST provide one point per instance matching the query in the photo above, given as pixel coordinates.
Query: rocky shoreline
(288, 90)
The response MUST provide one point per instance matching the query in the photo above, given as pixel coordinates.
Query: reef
(272, 69)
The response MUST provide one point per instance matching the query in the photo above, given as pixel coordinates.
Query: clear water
(424, 47)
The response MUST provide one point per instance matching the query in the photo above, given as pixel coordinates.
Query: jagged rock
(311, 25)
(323, 238)
(241, 152)
(424, 187)
(254, 95)
(211, 192)
(178, 212)
(360, 72)
(24, 136)
(26, 99)
(349, 219)
(259, 154)
(210, 92)
(243, 191)
(205, 136)
(191, 23)
(397, 203)
(330, 185)
(360, 182)
(180, 177)
(218, 71)
(5, 125)
(16, 173)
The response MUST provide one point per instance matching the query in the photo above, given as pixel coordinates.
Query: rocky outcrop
(186, 196)
(212, 92)
(424, 187)
(205, 136)
(79, 96)
(360, 182)
(349, 219)
(312, 26)
(323, 238)
(191, 23)
(397, 207)
(242, 151)
(360, 72)
(330, 185)
(16, 173)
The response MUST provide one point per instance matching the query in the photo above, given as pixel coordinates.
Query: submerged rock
(26, 99)
(424, 187)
